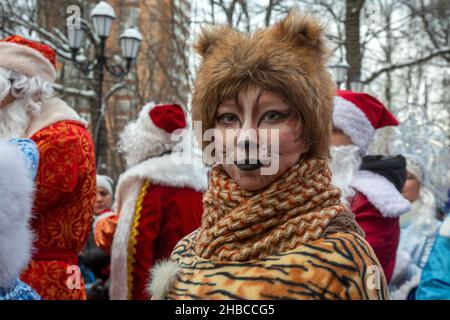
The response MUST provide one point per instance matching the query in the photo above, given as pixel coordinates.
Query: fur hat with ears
(288, 58)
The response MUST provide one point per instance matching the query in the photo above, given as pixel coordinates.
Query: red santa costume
(65, 182)
(374, 197)
(158, 200)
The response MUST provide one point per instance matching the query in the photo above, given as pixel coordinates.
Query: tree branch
(74, 91)
(392, 67)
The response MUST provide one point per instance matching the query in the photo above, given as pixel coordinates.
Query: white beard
(14, 120)
(136, 145)
(345, 162)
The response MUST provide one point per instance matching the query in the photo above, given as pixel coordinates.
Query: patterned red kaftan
(63, 208)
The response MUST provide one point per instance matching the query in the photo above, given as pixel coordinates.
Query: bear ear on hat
(303, 29)
(209, 38)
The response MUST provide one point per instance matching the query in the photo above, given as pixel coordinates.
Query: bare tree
(352, 38)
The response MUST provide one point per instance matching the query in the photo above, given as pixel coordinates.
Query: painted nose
(247, 145)
(247, 151)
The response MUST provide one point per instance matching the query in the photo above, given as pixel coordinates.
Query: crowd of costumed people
(356, 207)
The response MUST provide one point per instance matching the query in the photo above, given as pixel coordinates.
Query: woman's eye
(228, 118)
(273, 116)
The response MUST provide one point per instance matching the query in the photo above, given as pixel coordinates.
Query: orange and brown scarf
(300, 207)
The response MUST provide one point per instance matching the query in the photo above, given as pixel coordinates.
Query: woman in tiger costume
(273, 227)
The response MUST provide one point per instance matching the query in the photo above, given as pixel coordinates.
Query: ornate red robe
(64, 200)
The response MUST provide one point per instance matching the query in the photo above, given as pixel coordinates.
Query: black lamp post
(356, 85)
(340, 72)
(102, 16)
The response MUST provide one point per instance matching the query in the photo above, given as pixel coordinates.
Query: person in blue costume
(419, 228)
(18, 166)
(435, 280)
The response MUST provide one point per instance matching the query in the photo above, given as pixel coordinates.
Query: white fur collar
(16, 200)
(381, 193)
(53, 111)
(163, 171)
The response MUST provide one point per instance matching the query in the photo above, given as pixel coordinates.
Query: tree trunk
(352, 39)
(388, 53)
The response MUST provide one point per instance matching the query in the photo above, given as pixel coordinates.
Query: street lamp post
(102, 17)
(340, 72)
(356, 85)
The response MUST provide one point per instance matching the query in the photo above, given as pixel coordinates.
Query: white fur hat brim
(27, 61)
(353, 122)
(142, 139)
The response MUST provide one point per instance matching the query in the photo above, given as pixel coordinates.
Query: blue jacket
(435, 280)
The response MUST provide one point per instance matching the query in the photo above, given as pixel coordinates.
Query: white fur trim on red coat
(160, 171)
(350, 119)
(28, 61)
(119, 250)
(16, 200)
(381, 193)
(163, 171)
(53, 110)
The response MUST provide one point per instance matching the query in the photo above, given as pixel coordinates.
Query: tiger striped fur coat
(294, 240)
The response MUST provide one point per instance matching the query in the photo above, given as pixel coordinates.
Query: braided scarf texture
(300, 207)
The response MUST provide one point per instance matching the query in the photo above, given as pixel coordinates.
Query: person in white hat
(158, 200)
(104, 200)
(94, 262)
(65, 180)
(371, 184)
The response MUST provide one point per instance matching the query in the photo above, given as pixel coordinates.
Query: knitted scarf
(301, 206)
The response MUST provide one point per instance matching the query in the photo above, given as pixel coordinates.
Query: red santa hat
(153, 129)
(358, 115)
(168, 117)
(31, 58)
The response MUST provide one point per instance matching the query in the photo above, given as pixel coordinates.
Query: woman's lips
(247, 166)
